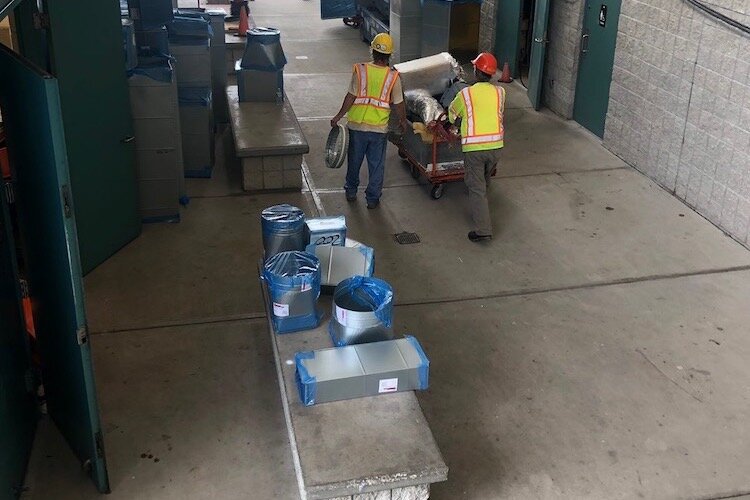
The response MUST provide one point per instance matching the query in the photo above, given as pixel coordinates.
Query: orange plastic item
(4, 163)
(244, 23)
(486, 63)
(28, 316)
(505, 77)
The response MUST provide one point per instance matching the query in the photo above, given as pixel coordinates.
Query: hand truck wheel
(437, 191)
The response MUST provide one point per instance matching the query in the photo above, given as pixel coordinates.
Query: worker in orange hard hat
(480, 110)
(373, 89)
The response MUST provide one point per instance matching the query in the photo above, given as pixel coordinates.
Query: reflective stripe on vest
(483, 128)
(373, 104)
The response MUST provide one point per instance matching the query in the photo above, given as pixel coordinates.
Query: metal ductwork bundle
(433, 73)
(362, 311)
(421, 104)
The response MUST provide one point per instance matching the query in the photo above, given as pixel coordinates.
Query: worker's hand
(335, 121)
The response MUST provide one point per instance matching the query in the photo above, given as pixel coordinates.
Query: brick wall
(487, 25)
(679, 106)
(561, 68)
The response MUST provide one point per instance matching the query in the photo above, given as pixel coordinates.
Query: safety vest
(481, 109)
(372, 105)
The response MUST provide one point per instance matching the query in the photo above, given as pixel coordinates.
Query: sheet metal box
(361, 370)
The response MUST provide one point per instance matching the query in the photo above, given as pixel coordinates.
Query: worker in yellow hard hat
(480, 109)
(373, 89)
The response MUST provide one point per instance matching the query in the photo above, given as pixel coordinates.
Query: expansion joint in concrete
(582, 286)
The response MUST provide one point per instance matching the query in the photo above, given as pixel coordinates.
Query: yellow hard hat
(382, 43)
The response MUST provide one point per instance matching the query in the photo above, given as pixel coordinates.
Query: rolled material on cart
(420, 103)
(433, 73)
(294, 287)
(338, 263)
(362, 311)
(283, 229)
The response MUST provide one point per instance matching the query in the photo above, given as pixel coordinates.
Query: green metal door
(17, 404)
(30, 104)
(538, 52)
(596, 60)
(87, 59)
(507, 34)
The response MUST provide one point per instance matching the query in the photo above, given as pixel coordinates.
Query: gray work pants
(478, 167)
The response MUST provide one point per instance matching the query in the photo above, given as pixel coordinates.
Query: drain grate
(406, 238)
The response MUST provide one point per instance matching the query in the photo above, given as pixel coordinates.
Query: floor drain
(406, 238)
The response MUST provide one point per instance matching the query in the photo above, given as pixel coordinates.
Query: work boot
(373, 204)
(351, 197)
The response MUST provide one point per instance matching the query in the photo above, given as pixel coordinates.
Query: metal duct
(362, 311)
(433, 73)
(420, 103)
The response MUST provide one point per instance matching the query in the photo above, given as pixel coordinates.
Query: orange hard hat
(486, 63)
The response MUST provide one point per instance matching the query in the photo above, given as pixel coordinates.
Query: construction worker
(480, 108)
(374, 88)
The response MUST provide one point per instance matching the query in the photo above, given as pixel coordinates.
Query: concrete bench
(269, 143)
(375, 448)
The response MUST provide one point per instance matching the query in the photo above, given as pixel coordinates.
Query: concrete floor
(596, 348)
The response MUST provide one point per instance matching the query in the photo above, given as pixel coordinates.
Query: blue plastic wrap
(282, 218)
(128, 41)
(149, 14)
(294, 286)
(159, 70)
(283, 228)
(194, 96)
(187, 30)
(424, 368)
(369, 254)
(306, 384)
(372, 294)
(337, 9)
(153, 42)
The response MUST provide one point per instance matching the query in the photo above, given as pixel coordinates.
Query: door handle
(585, 43)
(541, 40)
(128, 139)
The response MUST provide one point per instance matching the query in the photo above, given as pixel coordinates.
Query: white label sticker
(280, 310)
(388, 385)
(341, 316)
(321, 239)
